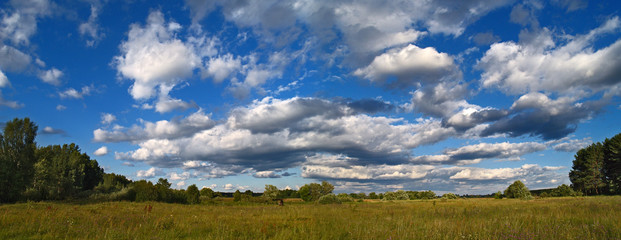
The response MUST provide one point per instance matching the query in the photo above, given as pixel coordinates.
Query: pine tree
(587, 173)
(612, 162)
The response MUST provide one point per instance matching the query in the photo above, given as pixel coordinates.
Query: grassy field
(551, 218)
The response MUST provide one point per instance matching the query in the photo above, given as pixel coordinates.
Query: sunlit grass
(553, 218)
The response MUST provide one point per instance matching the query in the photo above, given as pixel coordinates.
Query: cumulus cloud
(570, 145)
(102, 151)
(60, 107)
(76, 94)
(152, 56)
(277, 134)
(411, 65)
(501, 173)
(173, 176)
(151, 172)
(51, 76)
(50, 130)
(358, 29)
(12, 59)
(540, 64)
(4, 81)
(220, 68)
(476, 153)
(91, 28)
(175, 128)
(107, 118)
(555, 118)
(266, 174)
(20, 23)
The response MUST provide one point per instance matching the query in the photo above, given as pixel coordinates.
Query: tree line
(29, 172)
(597, 168)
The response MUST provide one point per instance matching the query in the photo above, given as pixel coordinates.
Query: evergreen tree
(587, 172)
(612, 162)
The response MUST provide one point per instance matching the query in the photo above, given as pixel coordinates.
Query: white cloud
(60, 107)
(50, 130)
(228, 186)
(12, 59)
(73, 93)
(176, 176)
(107, 118)
(166, 104)
(20, 23)
(152, 56)
(4, 81)
(501, 173)
(221, 68)
(411, 65)
(51, 76)
(161, 129)
(152, 172)
(476, 153)
(538, 64)
(266, 174)
(91, 27)
(101, 151)
(571, 145)
(278, 134)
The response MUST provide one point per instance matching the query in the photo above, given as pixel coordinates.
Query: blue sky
(464, 96)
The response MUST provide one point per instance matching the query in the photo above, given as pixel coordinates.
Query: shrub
(449, 196)
(329, 199)
(498, 195)
(344, 197)
(518, 190)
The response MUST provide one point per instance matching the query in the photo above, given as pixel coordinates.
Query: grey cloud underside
(543, 123)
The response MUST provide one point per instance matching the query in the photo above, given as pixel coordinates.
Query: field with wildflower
(550, 218)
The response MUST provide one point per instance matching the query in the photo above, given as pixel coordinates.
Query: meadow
(548, 218)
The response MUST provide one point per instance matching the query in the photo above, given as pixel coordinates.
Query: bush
(329, 199)
(344, 197)
(498, 195)
(449, 196)
(518, 190)
(398, 195)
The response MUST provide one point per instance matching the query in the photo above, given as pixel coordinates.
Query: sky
(449, 96)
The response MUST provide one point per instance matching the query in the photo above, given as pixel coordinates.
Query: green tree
(449, 196)
(373, 195)
(145, 191)
(164, 193)
(563, 191)
(311, 192)
(518, 190)
(612, 162)
(17, 158)
(498, 195)
(587, 174)
(326, 188)
(344, 197)
(207, 192)
(329, 199)
(192, 194)
(237, 196)
(271, 192)
(63, 171)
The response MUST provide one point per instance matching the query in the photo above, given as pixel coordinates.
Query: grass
(551, 218)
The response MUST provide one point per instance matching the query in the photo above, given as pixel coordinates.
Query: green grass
(552, 218)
